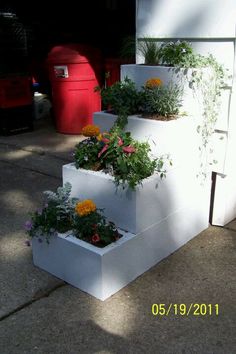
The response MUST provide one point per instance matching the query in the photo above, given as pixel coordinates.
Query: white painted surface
(180, 18)
(225, 192)
(103, 272)
(137, 210)
(210, 26)
(225, 200)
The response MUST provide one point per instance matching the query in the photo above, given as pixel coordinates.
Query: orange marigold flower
(91, 130)
(85, 207)
(153, 82)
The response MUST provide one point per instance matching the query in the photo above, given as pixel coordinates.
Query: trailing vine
(207, 89)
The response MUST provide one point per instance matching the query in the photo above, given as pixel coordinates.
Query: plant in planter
(159, 101)
(117, 153)
(150, 50)
(154, 99)
(202, 79)
(55, 216)
(160, 107)
(91, 226)
(179, 54)
(62, 214)
(122, 98)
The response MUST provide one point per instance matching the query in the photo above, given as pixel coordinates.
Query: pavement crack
(29, 169)
(37, 297)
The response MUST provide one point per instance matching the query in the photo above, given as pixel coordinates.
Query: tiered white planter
(159, 216)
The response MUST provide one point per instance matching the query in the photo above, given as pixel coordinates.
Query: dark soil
(157, 117)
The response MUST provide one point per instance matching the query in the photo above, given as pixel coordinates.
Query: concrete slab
(70, 321)
(31, 161)
(44, 139)
(20, 193)
(231, 225)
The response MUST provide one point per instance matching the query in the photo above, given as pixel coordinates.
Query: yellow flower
(85, 207)
(153, 82)
(99, 137)
(91, 130)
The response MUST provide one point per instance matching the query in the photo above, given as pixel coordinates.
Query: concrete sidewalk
(41, 314)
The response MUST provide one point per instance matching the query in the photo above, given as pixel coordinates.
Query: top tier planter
(140, 73)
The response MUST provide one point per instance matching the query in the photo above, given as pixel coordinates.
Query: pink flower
(105, 147)
(129, 149)
(120, 141)
(96, 238)
(105, 140)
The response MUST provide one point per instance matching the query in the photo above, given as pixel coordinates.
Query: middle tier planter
(139, 209)
(177, 137)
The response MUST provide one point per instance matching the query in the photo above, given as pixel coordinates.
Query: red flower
(105, 147)
(129, 149)
(96, 238)
(120, 141)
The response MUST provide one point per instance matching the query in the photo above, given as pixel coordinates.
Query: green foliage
(59, 214)
(86, 153)
(123, 157)
(161, 100)
(122, 97)
(178, 54)
(93, 228)
(55, 216)
(150, 50)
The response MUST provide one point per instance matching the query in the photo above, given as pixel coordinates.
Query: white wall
(180, 18)
(210, 26)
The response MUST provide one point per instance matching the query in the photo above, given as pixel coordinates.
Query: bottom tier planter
(102, 272)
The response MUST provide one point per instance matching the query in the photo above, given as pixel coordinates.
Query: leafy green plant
(62, 213)
(150, 50)
(55, 216)
(178, 54)
(126, 159)
(122, 98)
(86, 154)
(161, 100)
(91, 226)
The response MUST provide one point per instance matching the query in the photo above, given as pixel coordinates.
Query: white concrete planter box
(101, 272)
(177, 137)
(137, 210)
(140, 73)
